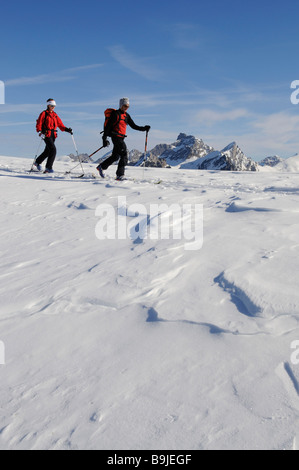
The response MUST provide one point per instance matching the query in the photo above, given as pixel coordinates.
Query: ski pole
(146, 136)
(37, 152)
(89, 156)
(80, 162)
(96, 152)
(145, 150)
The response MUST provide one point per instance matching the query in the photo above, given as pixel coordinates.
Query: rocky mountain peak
(189, 152)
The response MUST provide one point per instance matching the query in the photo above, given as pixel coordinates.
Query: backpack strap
(44, 129)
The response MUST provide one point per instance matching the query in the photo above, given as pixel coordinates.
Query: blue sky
(219, 70)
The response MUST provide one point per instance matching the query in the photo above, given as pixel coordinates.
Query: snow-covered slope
(140, 343)
(289, 165)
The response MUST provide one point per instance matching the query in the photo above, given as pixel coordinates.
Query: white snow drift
(141, 344)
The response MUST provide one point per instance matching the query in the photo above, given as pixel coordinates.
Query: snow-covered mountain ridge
(271, 161)
(189, 152)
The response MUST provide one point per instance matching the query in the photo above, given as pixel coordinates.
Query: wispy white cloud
(263, 135)
(136, 64)
(59, 76)
(210, 117)
(280, 126)
(83, 67)
(19, 108)
(37, 80)
(278, 131)
(14, 124)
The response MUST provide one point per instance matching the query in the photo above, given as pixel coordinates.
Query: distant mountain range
(189, 152)
(271, 161)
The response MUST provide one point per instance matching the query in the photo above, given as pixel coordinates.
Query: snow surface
(115, 344)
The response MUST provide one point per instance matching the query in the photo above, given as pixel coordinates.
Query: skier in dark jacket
(46, 126)
(116, 129)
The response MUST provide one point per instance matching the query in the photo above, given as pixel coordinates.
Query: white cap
(124, 101)
(51, 102)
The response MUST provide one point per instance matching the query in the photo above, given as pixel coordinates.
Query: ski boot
(100, 170)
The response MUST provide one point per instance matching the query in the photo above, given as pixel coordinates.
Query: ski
(63, 175)
(57, 175)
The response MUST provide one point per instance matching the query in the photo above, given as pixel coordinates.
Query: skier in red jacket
(46, 126)
(116, 129)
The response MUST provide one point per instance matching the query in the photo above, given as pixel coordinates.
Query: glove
(106, 142)
(147, 128)
(69, 130)
(42, 136)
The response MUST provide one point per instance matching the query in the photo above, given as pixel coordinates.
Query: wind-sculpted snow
(239, 297)
(138, 342)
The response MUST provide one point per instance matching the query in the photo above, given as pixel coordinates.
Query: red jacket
(121, 126)
(48, 122)
(117, 124)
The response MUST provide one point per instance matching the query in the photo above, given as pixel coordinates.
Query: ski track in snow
(141, 344)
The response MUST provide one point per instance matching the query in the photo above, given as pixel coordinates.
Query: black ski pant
(49, 152)
(120, 153)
